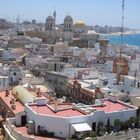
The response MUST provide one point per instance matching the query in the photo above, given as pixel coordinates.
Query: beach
(126, 32)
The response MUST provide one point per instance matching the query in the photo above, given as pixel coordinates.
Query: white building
(15, 74)
(91, 36)
(4, 82)
(134, 64)
(64, 120)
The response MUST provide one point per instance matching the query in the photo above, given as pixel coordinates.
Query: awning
(79, 127)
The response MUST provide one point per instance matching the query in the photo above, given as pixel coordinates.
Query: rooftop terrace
(62, 110)
(110, 106)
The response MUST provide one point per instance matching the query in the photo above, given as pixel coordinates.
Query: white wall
(128, 84)
(33, 80)
(111, 77)
(18, 118)
(135, 64)
(4, 82)
(109, 65)
(61, 126)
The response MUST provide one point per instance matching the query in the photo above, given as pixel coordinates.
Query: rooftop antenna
(122, 26)
(122, 31)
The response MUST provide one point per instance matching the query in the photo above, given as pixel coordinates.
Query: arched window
(14, 73)
(138, 84)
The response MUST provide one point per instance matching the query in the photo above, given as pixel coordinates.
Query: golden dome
(80, 24)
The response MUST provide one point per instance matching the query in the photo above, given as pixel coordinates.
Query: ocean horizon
(129, 39)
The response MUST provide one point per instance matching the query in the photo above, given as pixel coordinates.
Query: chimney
(12, 101)
(38, 93)
(13, 106)
(7, 93)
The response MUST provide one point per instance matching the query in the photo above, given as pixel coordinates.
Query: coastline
(125, 33)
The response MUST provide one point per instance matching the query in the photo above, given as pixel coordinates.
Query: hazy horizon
(92, 12)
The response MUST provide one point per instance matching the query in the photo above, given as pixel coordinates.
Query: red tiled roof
(6, 100)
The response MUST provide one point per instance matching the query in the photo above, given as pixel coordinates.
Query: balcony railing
(17, 135)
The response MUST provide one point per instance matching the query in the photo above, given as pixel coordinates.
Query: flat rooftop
(112, 106)
(61, 112)
(6, 100)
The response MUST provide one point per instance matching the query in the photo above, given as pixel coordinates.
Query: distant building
(15, 75)
(57, 81)
(33, 21)
(120, 67)
(84, 92)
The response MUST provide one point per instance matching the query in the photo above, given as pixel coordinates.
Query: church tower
(54, 16)
(68, 23)
(50, 23)
(68, 29)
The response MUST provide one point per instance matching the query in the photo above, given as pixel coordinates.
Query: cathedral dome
(79, 24)
(68, 18)
(49, 18)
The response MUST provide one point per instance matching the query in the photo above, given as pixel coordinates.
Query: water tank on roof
(73, 106)
(31, 127)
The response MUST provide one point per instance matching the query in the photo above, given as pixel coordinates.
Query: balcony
(12, 129)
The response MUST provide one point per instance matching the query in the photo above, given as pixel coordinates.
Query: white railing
(16, 134)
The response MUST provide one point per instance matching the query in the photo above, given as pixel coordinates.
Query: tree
(125, 126)
(108, 126)
(137, 119)
(132, 122)
(99, 126)
(117, 124)
(138, 112)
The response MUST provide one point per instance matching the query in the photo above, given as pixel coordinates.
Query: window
(14, 73)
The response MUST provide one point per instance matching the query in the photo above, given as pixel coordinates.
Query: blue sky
(92, 12)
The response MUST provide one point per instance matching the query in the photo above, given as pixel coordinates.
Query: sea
(129, 39)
